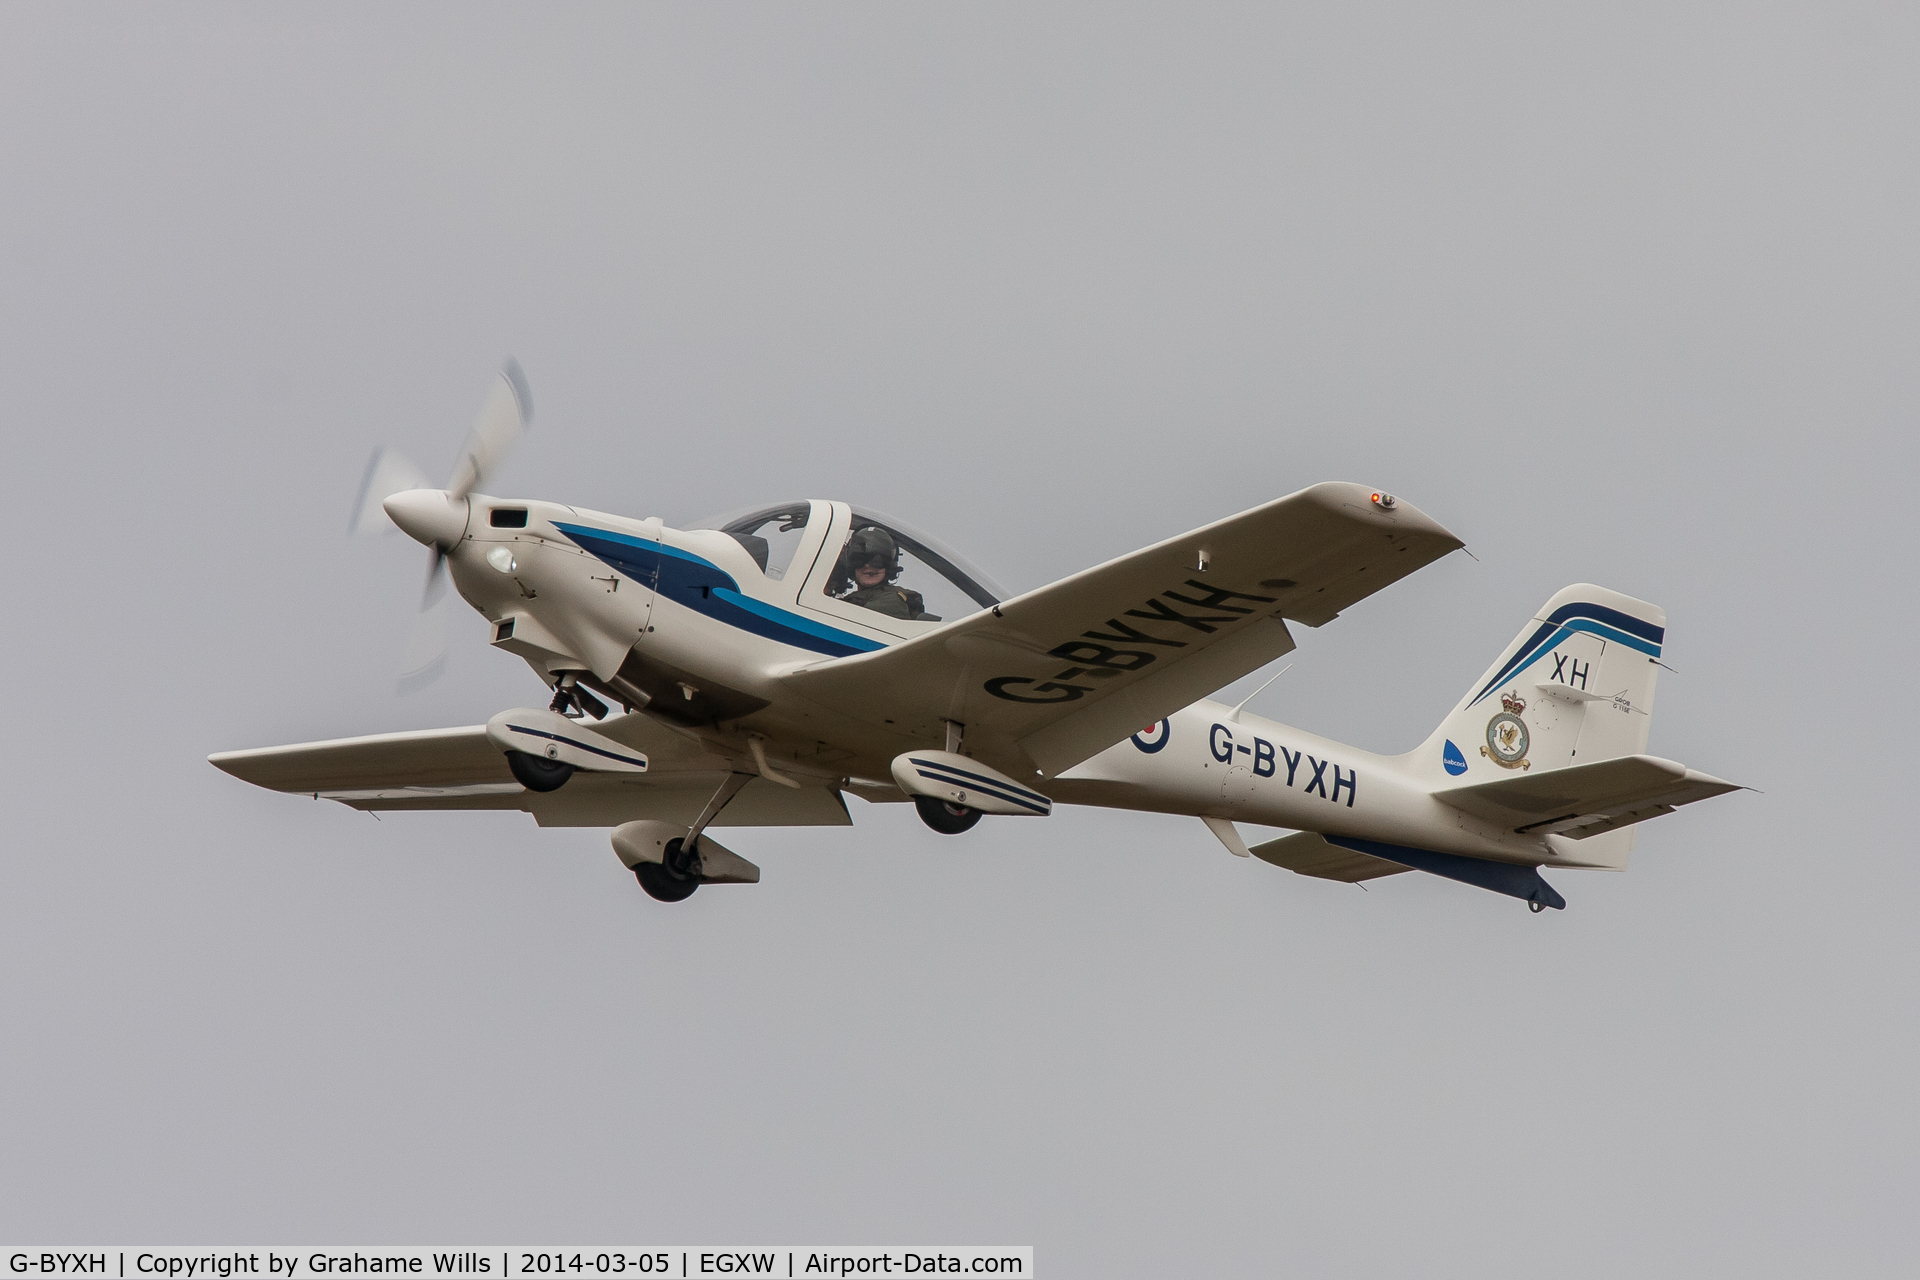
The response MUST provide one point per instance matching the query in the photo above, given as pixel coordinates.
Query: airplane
(769, 666)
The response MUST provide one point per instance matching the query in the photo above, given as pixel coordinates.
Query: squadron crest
(1507, 737)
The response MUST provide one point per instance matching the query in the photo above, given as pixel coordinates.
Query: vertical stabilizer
(1576, 685)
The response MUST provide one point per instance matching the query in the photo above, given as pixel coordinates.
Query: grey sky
(1626, 296)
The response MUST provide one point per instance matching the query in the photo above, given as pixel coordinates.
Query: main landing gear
(541, 773)
(573, 702)
(947, 819)
(674, 877)
(943, 816)
(537, 773)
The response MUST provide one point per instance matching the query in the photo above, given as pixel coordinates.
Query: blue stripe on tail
(1595, 619)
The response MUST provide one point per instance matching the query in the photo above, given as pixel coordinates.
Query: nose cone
(432, 516)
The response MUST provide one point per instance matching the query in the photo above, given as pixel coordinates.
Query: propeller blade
(507, 413)
(388, 472)
(426, 655)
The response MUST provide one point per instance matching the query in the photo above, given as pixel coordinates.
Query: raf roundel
(1154, 737)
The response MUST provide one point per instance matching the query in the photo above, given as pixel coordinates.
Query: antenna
(1233, 716)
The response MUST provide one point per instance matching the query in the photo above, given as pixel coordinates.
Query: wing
(460, 769)
(443, 762)
(1055, 676)
(1585, 799)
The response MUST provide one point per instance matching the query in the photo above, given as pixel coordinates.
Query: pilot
(869, 564)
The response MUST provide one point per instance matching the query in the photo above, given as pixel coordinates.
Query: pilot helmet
(867, 545)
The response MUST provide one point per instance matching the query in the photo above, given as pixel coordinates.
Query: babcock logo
(1450, 757)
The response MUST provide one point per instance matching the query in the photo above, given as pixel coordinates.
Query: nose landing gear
(674, 877)
(684, 862)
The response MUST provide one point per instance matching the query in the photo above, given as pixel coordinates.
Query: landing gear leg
(721, 798)
(677, 874)
(563, 696)
(572, 701)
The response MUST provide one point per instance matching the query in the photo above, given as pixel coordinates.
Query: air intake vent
(508, 518)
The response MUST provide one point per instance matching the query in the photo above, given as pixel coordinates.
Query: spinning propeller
(397, 488)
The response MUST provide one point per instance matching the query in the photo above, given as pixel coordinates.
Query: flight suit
(894, 601)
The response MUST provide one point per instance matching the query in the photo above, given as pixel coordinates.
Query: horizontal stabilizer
(1350, 860)
(1308, 853)
(1586, 799)
(1501, 877)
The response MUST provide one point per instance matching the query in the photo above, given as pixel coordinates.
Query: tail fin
(1575, 686)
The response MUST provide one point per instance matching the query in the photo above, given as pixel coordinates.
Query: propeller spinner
(438, 517)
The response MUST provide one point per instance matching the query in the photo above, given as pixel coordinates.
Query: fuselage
(695, 628)
(1209, 761)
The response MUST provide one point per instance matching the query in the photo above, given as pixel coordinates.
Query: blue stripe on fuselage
(707, 589)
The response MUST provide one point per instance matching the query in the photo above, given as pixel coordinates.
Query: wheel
(672, 880)
(947, 819)
(661, 884)
(1536, 907)
(537, 773)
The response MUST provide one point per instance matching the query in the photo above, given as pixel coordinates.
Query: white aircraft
(768, 667)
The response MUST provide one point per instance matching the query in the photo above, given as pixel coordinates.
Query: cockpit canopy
(771, 536)
(877, 562)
